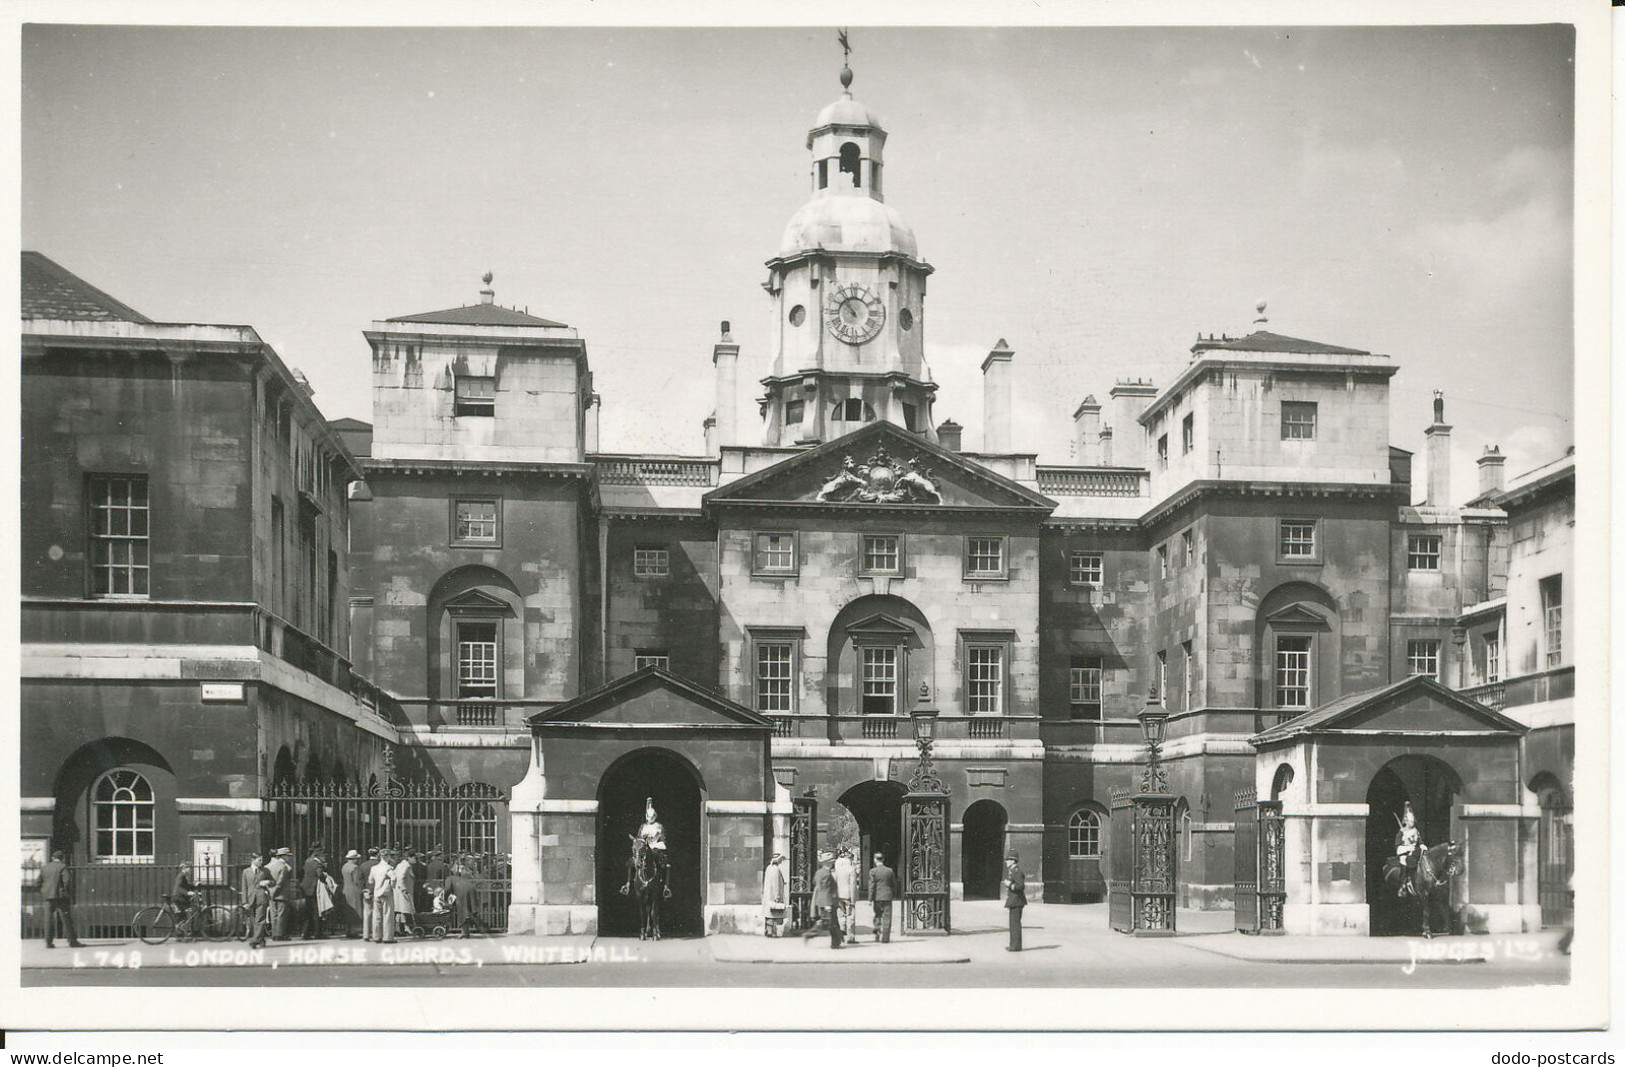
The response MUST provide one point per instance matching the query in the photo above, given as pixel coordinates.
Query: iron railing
(107, 895)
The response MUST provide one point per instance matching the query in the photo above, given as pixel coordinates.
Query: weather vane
(846, 58)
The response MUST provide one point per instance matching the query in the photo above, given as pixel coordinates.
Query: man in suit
(461, 886)
(283, 891)
(824, 898)
(365, 878)
(882, 891)
(259, 908)
(56, 889)
(405, 881)
(1015, 896)
(245, 887)
(315, 871)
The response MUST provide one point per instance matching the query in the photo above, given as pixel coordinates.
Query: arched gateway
(595, 760)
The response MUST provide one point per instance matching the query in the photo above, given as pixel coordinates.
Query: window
(122, 815)
(1492, 657)
(1190, 676)
(475, 396)
(1423, 552)
(1162, 452)
(792, 412)
(882, 554)
(475, 522)
(984, 557)
(651, 561)
(1085, 687)
(279, 556)
(332, 617)
(1162, 561)
(119, 532)
(1187, 434)
(305, 605)
(850, 161)
(1292, 672)
(1084, 568)
(1551, 613)
(477, 827)
(911, 414)
(775, 553)
(476, 660)
(984, 679)
(823, 174)
(1187, 547)
(852, 409)
(1162, 679)
(879, 679)
(1083, 835)
(1297, 420)
(1422, 657)
(650, 657)
(1297, 539)
(774, 674)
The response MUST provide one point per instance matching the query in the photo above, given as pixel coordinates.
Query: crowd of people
(390, 893)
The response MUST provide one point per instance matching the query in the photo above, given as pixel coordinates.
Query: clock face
(854, 314)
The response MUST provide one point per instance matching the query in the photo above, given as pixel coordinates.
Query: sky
(1095, 196)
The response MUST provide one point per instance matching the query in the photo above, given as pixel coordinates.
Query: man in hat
(350, 876)
(775, 896)
(315, 874)
(246, 887)
(381, 916)
(365, 878)
(258, 903)
(824, 898)
(882, 891)
(56, 889)
(1015, 896)
(846, 891)
(1406, 845)
(283, 891)
(435, 871)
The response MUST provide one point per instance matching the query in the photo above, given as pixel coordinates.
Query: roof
(593, 702)
(51, 291)
(348, 423)
(845, 112)
(478, 315)
(847, 223)
(1265, 341)
(1351, 706)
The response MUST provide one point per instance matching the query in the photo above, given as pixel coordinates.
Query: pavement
(1063, 942)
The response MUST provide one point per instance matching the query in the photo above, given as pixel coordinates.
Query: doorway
(982, 849)
(876, 808)
(1430, 786)
(671, 782)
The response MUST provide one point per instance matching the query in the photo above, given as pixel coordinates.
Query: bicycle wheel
(217, 922)
(153, 925)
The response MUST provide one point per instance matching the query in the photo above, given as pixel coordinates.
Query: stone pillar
(996, 398)
(525, 816)
(595, 404)
(1086, 423)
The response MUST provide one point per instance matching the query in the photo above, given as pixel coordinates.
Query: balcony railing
(984, 727)
(1084, 481)
(879, 728)
(480, 712)
(1492, 695)
(632, 470)
(783, 726)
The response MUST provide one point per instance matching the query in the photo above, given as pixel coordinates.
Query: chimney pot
(996, 398)
(1491, 471)
(948, 435)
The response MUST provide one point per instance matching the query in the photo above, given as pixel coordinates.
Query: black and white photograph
(837, 524)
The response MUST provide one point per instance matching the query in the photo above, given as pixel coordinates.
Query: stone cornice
(1386, 492)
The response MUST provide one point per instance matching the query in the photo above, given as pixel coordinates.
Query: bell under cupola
(848, 294)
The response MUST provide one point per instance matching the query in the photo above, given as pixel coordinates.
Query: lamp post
(1144, 874)
(925, 831)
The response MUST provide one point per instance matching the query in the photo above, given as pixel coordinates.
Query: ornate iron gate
(925, 862)
(422, 815)
(1144, 874)
(1260, 864)
(803, 860)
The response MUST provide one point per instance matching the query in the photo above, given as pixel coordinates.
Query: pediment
(1297, 615)
(654, 698)
(1417, 706)
(880, 465)
(475, 602)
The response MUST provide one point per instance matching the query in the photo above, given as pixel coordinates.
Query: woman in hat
(775, 896)
(351, 874)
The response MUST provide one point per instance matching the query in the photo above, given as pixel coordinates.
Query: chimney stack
(996, 399)
(710, 427)
(1086, 425)
(725, 358)
(1129, 400)
(1105, 449)
(948, 435)
(1438, 436)
(594, 406)
(1491, 471)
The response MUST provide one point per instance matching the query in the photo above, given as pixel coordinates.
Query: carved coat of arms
(881, 480)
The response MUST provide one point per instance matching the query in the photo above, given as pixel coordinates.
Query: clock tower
(848, 291)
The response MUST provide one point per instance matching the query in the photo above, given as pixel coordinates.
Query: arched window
(122, 815)
(477, 827)
(851, 156)
(1083, 835)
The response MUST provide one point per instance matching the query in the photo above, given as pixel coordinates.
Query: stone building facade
(585, 629)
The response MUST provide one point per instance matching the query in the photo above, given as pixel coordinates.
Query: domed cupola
(848, 292)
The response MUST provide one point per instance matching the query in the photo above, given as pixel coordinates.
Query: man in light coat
(775, 896)
(365, 878)
(405, 879)
(846, 891)
(284, 893)
(247, 889)
(382, 914)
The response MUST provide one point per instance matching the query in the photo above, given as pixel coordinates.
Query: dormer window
(852, 163)
(476, 395)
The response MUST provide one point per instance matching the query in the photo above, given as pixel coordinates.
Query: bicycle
(157, 924)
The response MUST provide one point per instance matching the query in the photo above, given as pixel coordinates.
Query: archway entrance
(981, 856)
(675, 788)
(877, 811)
(1430, 786)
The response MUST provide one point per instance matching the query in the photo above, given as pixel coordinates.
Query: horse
(646, 875)
(1429, 879)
